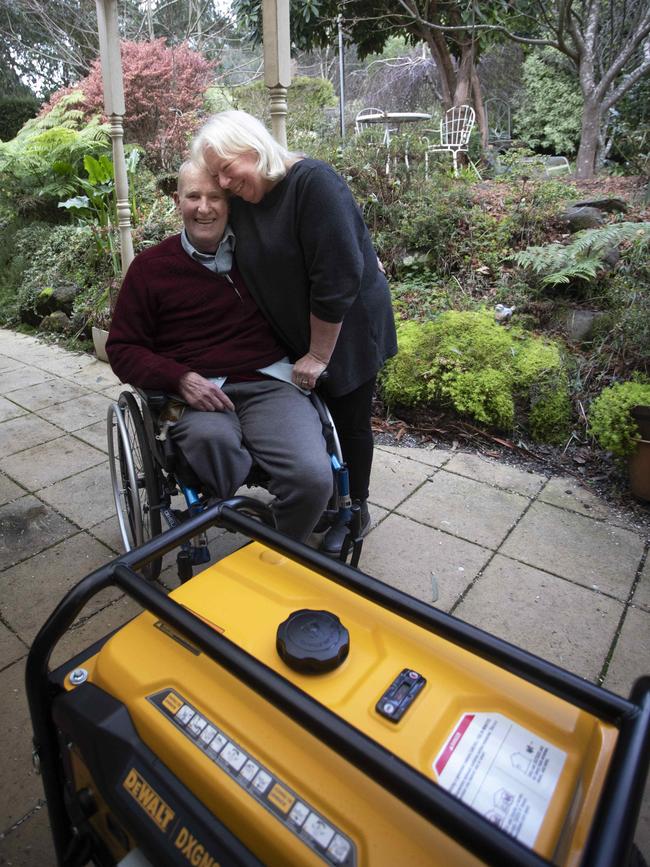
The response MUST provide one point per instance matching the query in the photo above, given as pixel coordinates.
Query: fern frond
(586, 269)
(592, 240)
(583, 257)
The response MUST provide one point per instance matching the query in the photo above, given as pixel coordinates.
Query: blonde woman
(307, 258)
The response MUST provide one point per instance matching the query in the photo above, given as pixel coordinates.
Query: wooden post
(109, 50)
(277, 62)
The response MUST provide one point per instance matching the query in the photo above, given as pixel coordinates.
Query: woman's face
(239, 174)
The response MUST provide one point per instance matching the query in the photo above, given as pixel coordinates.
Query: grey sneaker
(333, 539)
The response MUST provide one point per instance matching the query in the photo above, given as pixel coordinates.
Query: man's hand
(202, 394)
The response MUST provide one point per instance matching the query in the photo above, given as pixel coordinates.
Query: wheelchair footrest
(184, 565)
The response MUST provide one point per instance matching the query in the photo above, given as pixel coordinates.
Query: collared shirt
(219, 262)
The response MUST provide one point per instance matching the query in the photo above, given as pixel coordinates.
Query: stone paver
(466, 508)
(567, 493)
(588, 552)
(24, 432)
(30, 844)
(536, 611)
(492, 472)
(8, 409)
(48, 463)
(26, 526)
(22, 788)
(86, 498)
(46, 393)
(542, 562)
(78, 413)
(82, 635)
(95, 434)
(631, 652)
(642, 593)
(11, 647)
(430, 455)
(115, 391)
(95, 376)
(7, 363)
(394, 478)
(19, 377)
(9, 490)
(108, 532)
(69, 366)
(416, 559)
(32, 589)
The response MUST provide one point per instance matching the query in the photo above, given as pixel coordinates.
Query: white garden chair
(454, 133)
(360, 122)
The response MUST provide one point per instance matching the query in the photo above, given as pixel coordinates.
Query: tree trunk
(444, 64)
(589, 136)
(464, 75)
(479, 108)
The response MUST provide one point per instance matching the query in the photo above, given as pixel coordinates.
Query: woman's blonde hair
(231, 133)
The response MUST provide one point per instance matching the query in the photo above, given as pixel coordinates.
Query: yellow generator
(285, 709)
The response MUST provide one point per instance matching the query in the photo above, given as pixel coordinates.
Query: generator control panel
(400, 695)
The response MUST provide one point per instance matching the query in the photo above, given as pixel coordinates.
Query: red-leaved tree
(163, 92)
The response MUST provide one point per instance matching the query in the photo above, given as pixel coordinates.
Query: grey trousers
(275, 426)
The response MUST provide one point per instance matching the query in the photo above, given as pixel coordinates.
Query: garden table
(393, 120)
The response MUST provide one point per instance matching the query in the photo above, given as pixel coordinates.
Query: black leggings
(351, 413)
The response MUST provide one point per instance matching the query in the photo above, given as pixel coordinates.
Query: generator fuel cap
(312, 641)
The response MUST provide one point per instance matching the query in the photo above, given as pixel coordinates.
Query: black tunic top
(305, 248)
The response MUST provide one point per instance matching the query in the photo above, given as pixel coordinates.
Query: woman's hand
(307, 370)
(202, 394)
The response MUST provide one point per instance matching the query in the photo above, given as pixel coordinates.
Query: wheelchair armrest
(154, 398)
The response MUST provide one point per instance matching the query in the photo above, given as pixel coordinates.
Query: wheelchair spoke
(136, 480)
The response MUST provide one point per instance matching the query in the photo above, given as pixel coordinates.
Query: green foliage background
(14, 111)
(449, 252)
(550, 112)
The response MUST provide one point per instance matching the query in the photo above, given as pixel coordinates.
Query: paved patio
(537, 560)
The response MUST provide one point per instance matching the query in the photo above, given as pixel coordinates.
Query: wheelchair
(147, 472)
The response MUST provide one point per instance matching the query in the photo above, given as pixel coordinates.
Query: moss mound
(610, 421)
(494, 375)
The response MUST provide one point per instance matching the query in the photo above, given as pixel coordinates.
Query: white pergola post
(109, 50)
(277, 62)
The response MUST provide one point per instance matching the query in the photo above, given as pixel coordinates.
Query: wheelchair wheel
(135, 478)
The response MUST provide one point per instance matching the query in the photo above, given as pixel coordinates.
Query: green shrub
(48, 256)
(610, 421)
(551, 107)
(39, 166)
(497, 376)
(626, 294)
(14, 111)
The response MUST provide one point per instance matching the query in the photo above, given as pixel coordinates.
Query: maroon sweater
(174, 315)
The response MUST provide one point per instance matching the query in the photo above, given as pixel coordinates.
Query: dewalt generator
(285, 709)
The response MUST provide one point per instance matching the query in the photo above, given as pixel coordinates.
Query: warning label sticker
(501, 770)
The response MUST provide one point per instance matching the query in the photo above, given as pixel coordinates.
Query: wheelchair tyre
(135, 477)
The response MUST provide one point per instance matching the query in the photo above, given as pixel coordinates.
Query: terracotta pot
(639, 462)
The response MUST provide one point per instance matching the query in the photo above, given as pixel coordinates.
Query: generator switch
(400, 695)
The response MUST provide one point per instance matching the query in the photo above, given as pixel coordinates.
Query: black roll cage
(611, 835)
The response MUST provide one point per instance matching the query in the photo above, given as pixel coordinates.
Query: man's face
(203, 206)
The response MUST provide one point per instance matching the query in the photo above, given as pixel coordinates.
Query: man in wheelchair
(186, 324)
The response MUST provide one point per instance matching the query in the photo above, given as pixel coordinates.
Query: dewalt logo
(158, 810)
(195, 852)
